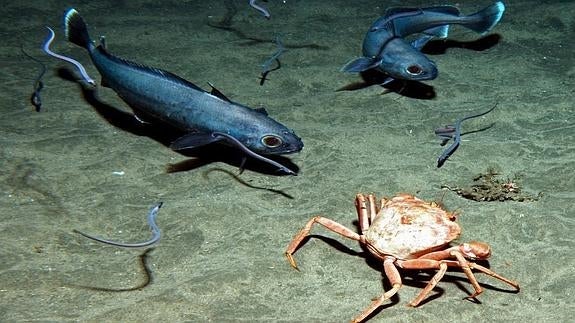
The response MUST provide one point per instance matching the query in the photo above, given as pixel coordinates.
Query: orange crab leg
(425, 264)
(304, 232)
(464, 264)
(493, 274)
(473, 265)
(372, 208)
(392, 274)
(366, 210)
(475, 250)
(422, 263)
(461, 263)
(362, 213)
(431, 285)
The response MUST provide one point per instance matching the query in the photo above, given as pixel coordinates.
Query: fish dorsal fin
(217, 93)
(408, 16)
(446, 9)
(262, 111)
(152, 70)
(402, 11)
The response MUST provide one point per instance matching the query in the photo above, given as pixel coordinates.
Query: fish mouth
(432, 75)
(294, 145)
(288, 150)
(292, 150)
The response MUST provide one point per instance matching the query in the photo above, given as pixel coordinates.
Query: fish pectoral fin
(360, 64)
(420, 42)
(194, 140)
(143, 117)
(217, 93)
(387, 80)
(439, 31)
(140, 119)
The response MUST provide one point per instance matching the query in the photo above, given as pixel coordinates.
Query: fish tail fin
(76, 29)
(484, 20)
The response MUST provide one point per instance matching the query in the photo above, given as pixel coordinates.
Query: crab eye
(271, 141)
(414, 69)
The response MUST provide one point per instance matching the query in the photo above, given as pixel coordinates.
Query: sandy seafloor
(221, 255)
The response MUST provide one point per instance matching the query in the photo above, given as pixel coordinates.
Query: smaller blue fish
(385, 47)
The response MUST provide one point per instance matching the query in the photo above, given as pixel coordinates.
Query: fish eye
(414, 69)
(271, 141)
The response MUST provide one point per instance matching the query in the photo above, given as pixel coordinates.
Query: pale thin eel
(156, 233)
(261, 9)
(79, 66)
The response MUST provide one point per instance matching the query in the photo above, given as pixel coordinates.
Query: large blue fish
(206, 117)
(385, 47)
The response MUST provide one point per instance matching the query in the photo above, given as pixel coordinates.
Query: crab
(408, 233)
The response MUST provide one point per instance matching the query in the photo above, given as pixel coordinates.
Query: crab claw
(476, 250)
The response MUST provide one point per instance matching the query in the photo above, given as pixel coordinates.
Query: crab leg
(365, 211)
(304, 232)
(437, 260)
(473, 265)
(372, 208)
(464, 264)
(467, 267)
(392, 274)
(493, 274)
(442, 266)
(425, 264)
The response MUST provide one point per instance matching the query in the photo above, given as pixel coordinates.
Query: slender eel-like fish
(35, 97)
(267, 65)
(156, 233)
(155, 94)
(454, 132)
(80, 67)
(259, 8)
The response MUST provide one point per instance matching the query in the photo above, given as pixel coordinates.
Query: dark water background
(221, 256)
